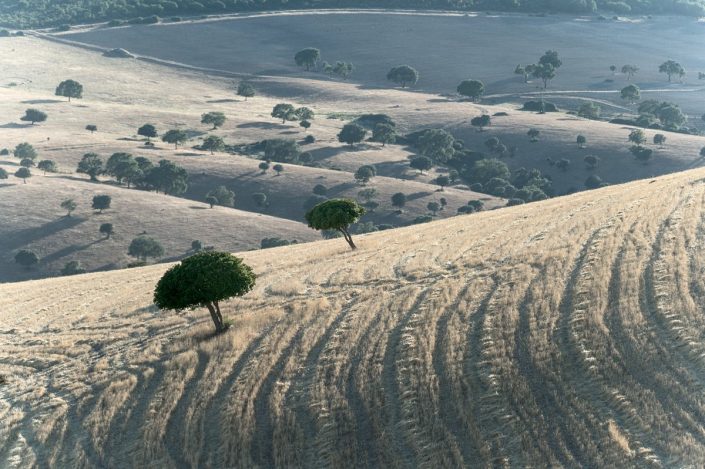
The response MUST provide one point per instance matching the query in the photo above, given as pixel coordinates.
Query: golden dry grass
(563, 333)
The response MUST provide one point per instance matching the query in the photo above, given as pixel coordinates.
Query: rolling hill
(566, 332)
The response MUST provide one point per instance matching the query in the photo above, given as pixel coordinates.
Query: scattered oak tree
(403, 75)
(285, 112)
(106, 229)
(92, 165)
(33, 116)
(175, 136)
(278, 169)
(481, 121)
(672, 68)
(223, 196)
(581, 141)
(3, 174)
(48, 166)
(216, 119)
(25, 150)
(70, 89)
(101, 202)
(26, 258)
(69, 205)
(147, 130)
(472, 89)
(421, 163)
(336, 214)
(352, 134)
(264, 166)
(399, 200)
(384, 134)
(365, 173)
(637, 136)
(246, 90)
(631, 94)
(307, 58)
(143, 247)
(630, 71)
(92, 128)
(23, 173)
(659, 139)
(213, 143)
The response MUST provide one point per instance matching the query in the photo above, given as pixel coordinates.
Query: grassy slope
(560, 333)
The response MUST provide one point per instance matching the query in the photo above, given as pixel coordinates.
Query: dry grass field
(567, 332)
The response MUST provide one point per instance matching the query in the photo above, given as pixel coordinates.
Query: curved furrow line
(446, 363)
(177, 428)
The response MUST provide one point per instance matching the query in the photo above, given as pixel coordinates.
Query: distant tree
(671, 115)
(637, 136)
(204, 280)
(23, 173)
(27, 163)
(246, 90)
(305, 125)
(403, 75)
(421, 163)
(143, 247)
(581, 141)
(106, 229)
(26, 258)
(175, 136)
(640, 153)
(70, 89)
(34, 115)
(613, 68)
(630, 71)
(546, 72)
(25, 150)
(672, 68)
(3, 174)
(481, 121)
(223, 195)
(437, 144)
(307, 58)
(486, 169)
(589, 110)
(72, 268)
(211, 201)
(433, 207)
(702, 152)
(320, 189)
(593, 182)
(48, 166)
(260, 199)
(365, 173)
(69, 205)
(213, 143)
(343, 69)
(631, 94)
(352, 134)
(168, 177)
(443, 202)
(216, 119)
(149, 131)
(591, 161)
(367, 194)
(304, 113)
(563, 164)
(443, 181)
(659, 139)
(285, 112)
(327, 68)
(533, 135)
(281, 150)
(550, 57)
(520, 70)
(264, 166)
(399, 200)
(196, 245)
(92, 128)
(384, 134)
(335, 214)
(92, 165)
(123, 167)
(101, 202)
(472, 89)
(278, 169)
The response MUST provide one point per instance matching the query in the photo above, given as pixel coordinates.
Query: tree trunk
(215, 316)
(348, 238)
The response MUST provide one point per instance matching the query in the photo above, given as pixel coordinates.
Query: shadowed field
(563, 333)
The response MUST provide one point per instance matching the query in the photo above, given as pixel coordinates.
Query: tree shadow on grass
(15, 125)
(14, 240)
(68, 250)
(42, 101)
(263, 125)
(220, 101)
(417, 195)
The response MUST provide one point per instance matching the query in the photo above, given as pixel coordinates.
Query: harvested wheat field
(564, 333)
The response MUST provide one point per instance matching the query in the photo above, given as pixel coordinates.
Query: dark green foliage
(23, 173)
(25, 150)
(3, 173)
(545, 72)
(33, 116)
(672, 68)
(72, 268)
(640, 153)
(669, 114)
(484, 170)
(278, 169)
(307, 58)
(285, 112)
(70, 89)
(630, 71)
(204, 279)
(403, 75)
(533, 135)
(222, 195)
(422, 219)
(437, 144)
(246, 90)
(631, 94)
(581, 141)
(101, 202)
(365, 173)
(335, 214)
(149, 131)
(539, 106)
(92, 165)
(320, 189)
(472, 89)
(175, 136)
(433, 207)
(513, 202)
(27, 163)
(352, 134)
(213, 143)
(216, 119)
(106, 229)
(304, 113)
(637, 136)
(69, 205)
(124, 168)
(384, 134)
(593, 182)
(48, 166)
(589, 110)
(260, 199)
(399, 200)
(421, 163)
(26, 258)
(305, 124)
(659, 139)
(196, 245)
(563, 164)
(367, 194)
(167, 177)
(143, 247)
(481, 121)
(591, 161)
(211, 200)
(443, 181)
(92, 128)
(264, 166)
(267, 243)
(370, 121)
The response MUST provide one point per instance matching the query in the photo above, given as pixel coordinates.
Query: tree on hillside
(443, 181)
(90, 164)
(307, 58)
(593, 182)
(533, 135)
(214, 118)
(23, 173)
(246, 90)
(631, 94)
(367, 194)
(589, 110)
(260, 199)
(72, 268)
(421, 163)
(69, 205)
(403, 75)
(285, 112)
(3, 174)
(211, 201)
(92, 128)
(320, 189)
(335, 214)
(433, 207)
(106, 229)
(659, 139)
(481, 121)
(278, 169)
(48, 166)
(399, 200)
(33, 115)
(143, 247)
(204, 280)
(213, 143)
(521, 70)
(27, 163)
(437, 144)
(281, 150)
(121, 166)
(168, 177)
(637, 136)
(352, 134)
(305, 124)
(70, 89)
(613, 68)
(101, 202)
(630, 71)
(550, 57)
(343, 69)
(546, 72)
(384, 134)
(472, 89)
(264, 166)
(672, 68)
(223, 196)
(149, 131)
(591, 161)
(304, 113)
(640, 153)
(25, 150)
(26, 258)
(365, 173)
(581, 141)
(175, 136)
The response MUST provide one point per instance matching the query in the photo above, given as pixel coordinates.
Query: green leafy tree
(281, 150)
(320, 189)
(3, 174)
(216, 119)
(637, 136)
(196, 245)
(48, 166)
(640, 153)
(343, 69)
(421, 163)
(70, 89)
(213, 143)
(212, 201)
(69, 205)
(122, 166)
(384, 134)
(352, 134)
(591, 161)
(659, 139)
(304, 113)
(521, 71)
(101, 202)
(246, 90)
(486, 169)
(672, 68)
(305, 124)
(204, 280)
(264, 166)
(285, 112)
(260, 199)
(630, 71)
(149, 131)
(336, 214)
(72, 268)
(278, 169)
(23, 173)
(546, 72)
(365, 173)
(175, 136)
(550, 57)
(168, 177)
(307, 58)
(613, 68)
(92, 165)
(143, 247)
(481, 121)
(437, 144)
(92, 128)
(589, 110)
(367, 194)
(223, 196)
(106, 229)
(433, 207)
(33, 115)
(472, 89)
(443, 181)
(27, 163)
(25, 150)
(399, 200)
(581, 141)
(533, 135)
(631, 94)
(26, 258)
(403, 75)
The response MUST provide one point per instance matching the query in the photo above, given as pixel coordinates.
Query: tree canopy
(403, 75)
(307, 58)
(70, 89)
(336, 214)
(33, 116)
